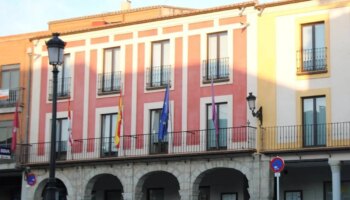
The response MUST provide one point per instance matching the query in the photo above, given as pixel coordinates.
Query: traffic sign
(31, 179)
(277, 164)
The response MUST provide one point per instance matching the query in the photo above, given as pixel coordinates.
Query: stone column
(336, 180)
(260, 179)
(184, 195)
(127, 196)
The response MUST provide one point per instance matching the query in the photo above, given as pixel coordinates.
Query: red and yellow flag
(119, 122)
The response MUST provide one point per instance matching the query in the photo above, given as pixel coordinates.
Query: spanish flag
(119, 122)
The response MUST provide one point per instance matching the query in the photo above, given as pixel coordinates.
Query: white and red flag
(15, 127)
(70, 139)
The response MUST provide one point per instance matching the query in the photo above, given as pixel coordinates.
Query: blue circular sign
(277, 164)
(31, 179)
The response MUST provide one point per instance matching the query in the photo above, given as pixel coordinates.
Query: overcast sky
(22, 16)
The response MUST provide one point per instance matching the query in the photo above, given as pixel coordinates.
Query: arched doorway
(158, 185)
(41, 191)
(221, 184)
(104, 187)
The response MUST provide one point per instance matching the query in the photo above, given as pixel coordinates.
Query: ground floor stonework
(236, 178)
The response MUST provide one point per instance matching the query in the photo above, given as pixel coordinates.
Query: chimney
(126, 5)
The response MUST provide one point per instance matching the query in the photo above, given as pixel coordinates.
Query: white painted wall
(287, 80)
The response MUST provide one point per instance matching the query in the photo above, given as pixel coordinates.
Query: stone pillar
(260, 179)
(336, 180)
(184, 195)
(127, 196)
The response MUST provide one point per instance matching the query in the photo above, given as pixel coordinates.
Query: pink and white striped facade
(187, 35)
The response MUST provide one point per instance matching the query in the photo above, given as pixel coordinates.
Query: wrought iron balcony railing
(109, 83)
(312, 61)
(15, 95)
(216, 69)
(63, 88)
(306, 137)
(158, 77)
(233, 140)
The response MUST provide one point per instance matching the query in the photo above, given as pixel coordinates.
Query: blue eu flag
(163, 122)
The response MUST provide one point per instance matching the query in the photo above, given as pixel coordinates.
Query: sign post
(277, 165)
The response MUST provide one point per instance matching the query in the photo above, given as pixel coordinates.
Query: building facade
(291, 54)
(301, 77)
(198, 54)
(15, 69)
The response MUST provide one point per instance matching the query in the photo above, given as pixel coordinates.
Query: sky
(24, 16)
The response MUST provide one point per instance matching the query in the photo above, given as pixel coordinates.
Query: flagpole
(214, 114)
(121, 146)
(171, 123)
(70, 137)
(171, 119)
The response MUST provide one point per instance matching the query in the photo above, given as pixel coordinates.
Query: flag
(119, 122)
(163, 122)
(14, 130)
(4, 94)
(70, 139)
(213, 108)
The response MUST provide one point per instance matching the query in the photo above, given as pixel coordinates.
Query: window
(62, 135)
(109, 79)
(217, 64)
(64, 79)
(157, 146)
(155, 194)
(219, 140)
(313, 51)
(314, 120)
(158, 75)
(293, 195)
(109, 123)
(10, 80)
(229, 196)
(10, 76)
(5, 133)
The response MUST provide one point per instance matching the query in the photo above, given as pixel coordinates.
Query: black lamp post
(55, 48)
(251, 102)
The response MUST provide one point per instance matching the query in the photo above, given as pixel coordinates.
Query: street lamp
(55, 48)
(251, 102)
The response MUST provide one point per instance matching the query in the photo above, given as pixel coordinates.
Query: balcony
(15, 95)
(216, 69)
(313, 137)
(109, 83)
(63, 88)
(176, 144)
(158, 77)
(312, 61)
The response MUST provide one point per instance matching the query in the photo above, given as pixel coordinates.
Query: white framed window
(109, 81)
(159, 73)
(108, 128)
